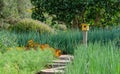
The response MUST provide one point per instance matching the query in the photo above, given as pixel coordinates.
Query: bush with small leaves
(27, 25)
(7, 40)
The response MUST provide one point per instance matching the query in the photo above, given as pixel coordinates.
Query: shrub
(27, 25)
(7, 40)
(61, 27)
(24, 62)
(5, 26)
(1, 7)
(1, 23)
(9, 9)
(12, 10)
(24, 8)
(15, 8)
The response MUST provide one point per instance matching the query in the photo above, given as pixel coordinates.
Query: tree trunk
(97, 21)
(75, 23)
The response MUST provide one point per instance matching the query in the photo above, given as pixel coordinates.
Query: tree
(95, 12)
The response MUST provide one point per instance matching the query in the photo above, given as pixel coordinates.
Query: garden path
(58, 66)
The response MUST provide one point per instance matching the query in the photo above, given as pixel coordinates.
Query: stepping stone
(57, 66)
(61, 61)
(58, 70)
(54, 65)
(66, 57)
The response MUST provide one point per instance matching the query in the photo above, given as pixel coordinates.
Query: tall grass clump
(95, 59)
(104, 35)
(65, 41)
(69, 39)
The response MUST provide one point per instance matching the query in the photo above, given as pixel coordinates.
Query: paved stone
(58, 66)
(54, 65)
(66, 57)
(58, 70)
(61, 61)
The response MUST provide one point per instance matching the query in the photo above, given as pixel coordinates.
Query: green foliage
(65, 41)
(7, 40)
(62, 27)
(15, 9)
(5, 26)
(98, 13)
(104, 35)
(27, 25)
(24, 8)
(0, 54)
(24, 62)
(95, 59)
(103, 13)
(1, 7)
(68, 40)
(9, 9)
(56, 24)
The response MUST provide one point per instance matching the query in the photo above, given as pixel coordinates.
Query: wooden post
(85, 28)
(85, 38)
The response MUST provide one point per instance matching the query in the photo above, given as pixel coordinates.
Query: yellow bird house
(85, 27)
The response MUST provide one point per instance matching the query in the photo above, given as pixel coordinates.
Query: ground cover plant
(25, 59)
(95, 59)
(24, 62)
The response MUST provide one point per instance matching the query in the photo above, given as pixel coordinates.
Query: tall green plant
(95, 59)
(68, 40)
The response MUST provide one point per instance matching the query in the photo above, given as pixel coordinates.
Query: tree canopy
(94, 12)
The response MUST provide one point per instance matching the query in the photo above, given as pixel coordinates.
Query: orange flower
(57, 53)
(32, 44)
(42, 46)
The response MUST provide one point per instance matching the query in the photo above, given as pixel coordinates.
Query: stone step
(58, 70)
(66, 57)
(54, 65)
(57, 66)
(61, 61)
